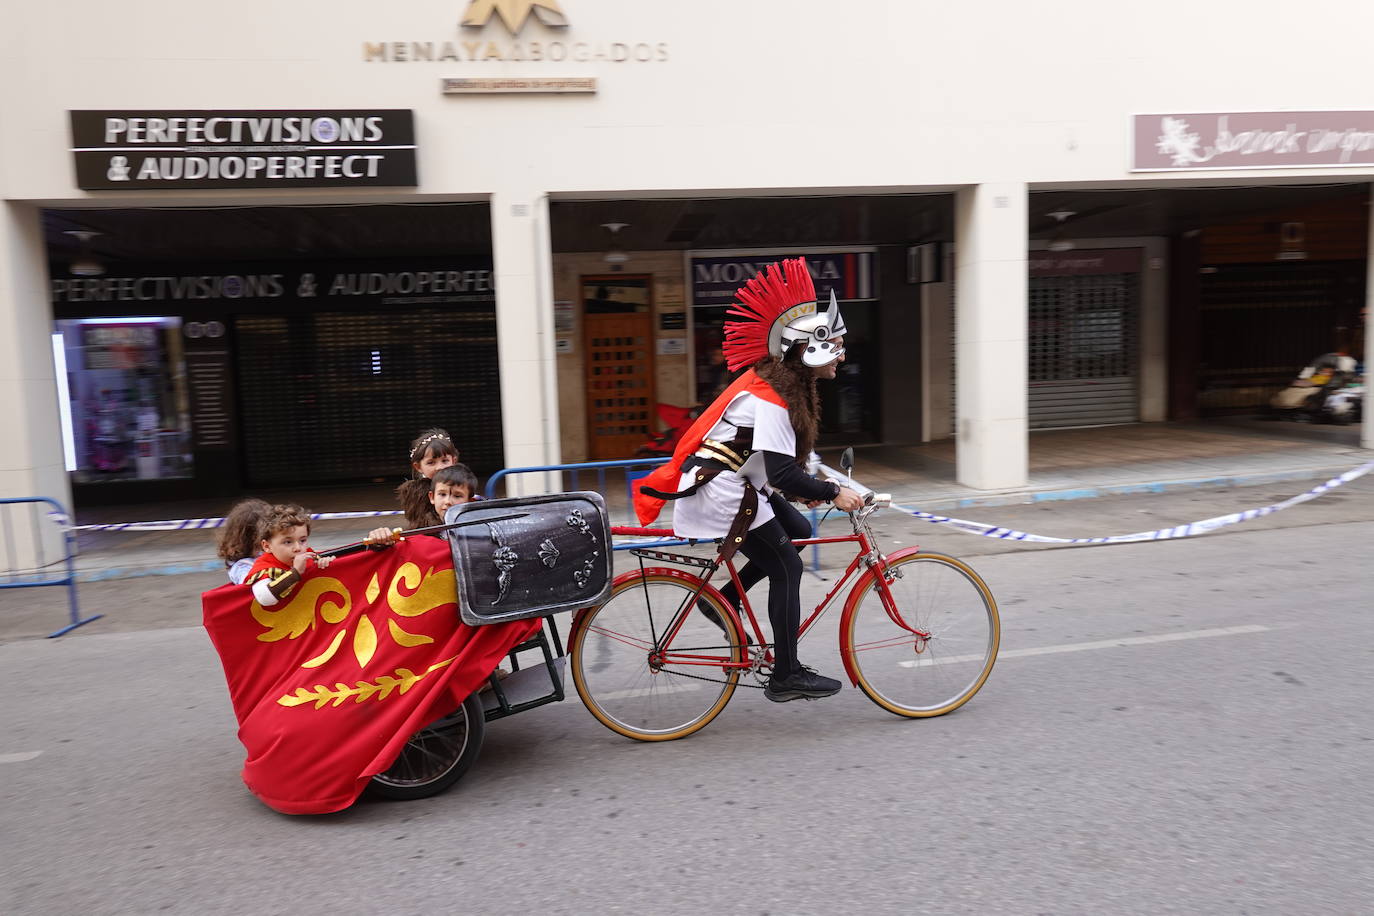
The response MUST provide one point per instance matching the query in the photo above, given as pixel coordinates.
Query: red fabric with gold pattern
(664, 478)
(329, 684)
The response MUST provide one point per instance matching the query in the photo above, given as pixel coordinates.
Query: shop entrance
(1082, 349)
(217, 351)
(618, 317)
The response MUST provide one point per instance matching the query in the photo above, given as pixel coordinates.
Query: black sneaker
(800, 684)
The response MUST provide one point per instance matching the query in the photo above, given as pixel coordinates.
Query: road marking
(20, 757)
(661, 689)
(1099, 644)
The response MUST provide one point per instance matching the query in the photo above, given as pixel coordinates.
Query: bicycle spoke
(644, 689)
(937, 669)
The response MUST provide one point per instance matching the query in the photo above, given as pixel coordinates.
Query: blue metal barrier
(630, 477)
(600, 467)
(13, 578)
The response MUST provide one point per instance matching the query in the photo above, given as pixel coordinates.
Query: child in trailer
(284, 536)
(450, 486)
(432, 450)
(237, 544)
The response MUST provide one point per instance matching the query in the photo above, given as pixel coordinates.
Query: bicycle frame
(867, 562)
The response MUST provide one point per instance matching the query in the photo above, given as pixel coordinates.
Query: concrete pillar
(31, 461)
(1367, 425)
(990, 336)
(524, 328)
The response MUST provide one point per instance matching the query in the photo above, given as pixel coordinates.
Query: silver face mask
(816, 330)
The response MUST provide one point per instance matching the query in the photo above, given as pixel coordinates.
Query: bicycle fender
(709, 591)
(851, 606)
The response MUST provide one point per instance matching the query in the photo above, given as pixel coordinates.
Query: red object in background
(676, 420)
(329, 684)
(664, 477)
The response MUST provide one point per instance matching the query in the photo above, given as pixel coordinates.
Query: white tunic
(709, 512)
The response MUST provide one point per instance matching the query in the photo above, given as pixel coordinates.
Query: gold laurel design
(322, 695)
(427, 590)
(374, 589)
(298, 615)
(407, 639)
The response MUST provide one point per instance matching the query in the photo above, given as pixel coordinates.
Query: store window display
(128, 415)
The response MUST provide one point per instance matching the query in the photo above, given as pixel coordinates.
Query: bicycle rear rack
(683, 559)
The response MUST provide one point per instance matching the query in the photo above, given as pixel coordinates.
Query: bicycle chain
(755, 670)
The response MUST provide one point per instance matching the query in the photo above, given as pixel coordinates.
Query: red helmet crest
(765, 307)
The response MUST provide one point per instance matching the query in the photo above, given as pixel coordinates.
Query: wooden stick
(366, 543)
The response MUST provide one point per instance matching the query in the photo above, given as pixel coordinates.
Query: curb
(1175, 485)
(996, 498)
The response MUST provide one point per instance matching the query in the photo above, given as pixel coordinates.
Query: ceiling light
(615, 255)
(1060, 241)
(85, 265)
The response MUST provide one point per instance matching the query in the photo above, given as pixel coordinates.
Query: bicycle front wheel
(655, 694)
(932, 650)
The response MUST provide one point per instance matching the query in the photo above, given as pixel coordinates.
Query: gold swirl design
(298, 615)
(427, 590)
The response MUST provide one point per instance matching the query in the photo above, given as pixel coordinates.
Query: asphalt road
(1172, 727)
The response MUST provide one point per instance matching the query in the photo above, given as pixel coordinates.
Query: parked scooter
(1328, 390)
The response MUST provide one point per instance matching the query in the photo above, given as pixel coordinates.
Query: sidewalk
(1064, 464)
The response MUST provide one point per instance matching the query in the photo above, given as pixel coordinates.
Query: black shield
(556, 557)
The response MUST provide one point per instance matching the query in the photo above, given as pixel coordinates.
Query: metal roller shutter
(339, 396)
(1082, 360)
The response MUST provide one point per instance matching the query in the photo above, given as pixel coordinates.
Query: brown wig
(238, 536)
(794, 381)
(413, 495)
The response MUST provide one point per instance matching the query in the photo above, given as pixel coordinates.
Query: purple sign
(1252, 140)
(848, 273)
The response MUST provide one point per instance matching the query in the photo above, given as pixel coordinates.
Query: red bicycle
(918, 635)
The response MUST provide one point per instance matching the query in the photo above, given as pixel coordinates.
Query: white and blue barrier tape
(188, 524)
(1191, 529)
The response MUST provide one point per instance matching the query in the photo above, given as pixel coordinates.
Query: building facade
(268, 246)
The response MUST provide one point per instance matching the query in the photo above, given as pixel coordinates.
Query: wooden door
(618, 318)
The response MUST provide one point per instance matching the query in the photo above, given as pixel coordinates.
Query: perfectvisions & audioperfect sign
(128, 150)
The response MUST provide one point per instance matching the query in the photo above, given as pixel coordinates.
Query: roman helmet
(777, 310)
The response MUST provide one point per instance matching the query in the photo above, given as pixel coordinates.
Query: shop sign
(1085, 262)
(447, 282)
(499, 30)
(715, 279)
(537, 85)
(137, 150)
(1252, 140)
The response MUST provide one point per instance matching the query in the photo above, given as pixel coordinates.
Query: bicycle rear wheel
(943, 664)
(640, 694)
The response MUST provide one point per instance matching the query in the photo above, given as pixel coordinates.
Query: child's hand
(301, 562)
(381, 536)
(322, 562)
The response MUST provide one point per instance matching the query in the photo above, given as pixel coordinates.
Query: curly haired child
(237, 543)
(284, 536)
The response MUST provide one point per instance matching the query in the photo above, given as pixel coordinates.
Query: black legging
(771, 553)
